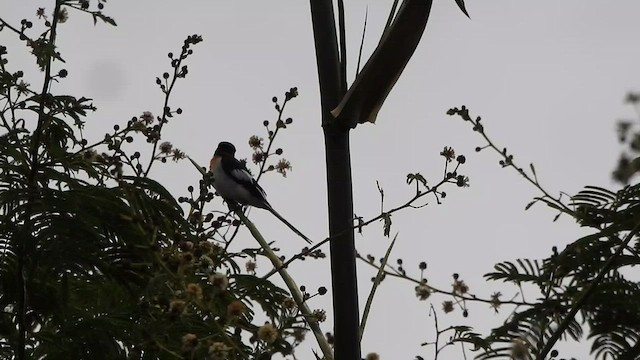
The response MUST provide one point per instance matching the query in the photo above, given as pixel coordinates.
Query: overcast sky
(547, 77)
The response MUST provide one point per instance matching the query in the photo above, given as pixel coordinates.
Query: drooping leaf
(365, 97)
(460, 4)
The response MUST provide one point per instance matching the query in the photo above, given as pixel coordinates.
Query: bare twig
(400, 275)
(177, 70)
(507, 161)
(407, 204)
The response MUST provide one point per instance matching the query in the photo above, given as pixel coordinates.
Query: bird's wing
(241, 175)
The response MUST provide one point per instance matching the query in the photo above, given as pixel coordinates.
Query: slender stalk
(399, 275)
(382, 214)
(165, 106)
(339, 184)
(508, 162)
(271, 139)
(436, 350)
(291, 285)
(21, 303)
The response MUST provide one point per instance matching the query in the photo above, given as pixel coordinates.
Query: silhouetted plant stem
(291, 285)
(408, 204)
(165, 107)
(339, 186)
(32, 183)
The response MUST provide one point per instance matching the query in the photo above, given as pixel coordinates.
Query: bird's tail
(275, 213)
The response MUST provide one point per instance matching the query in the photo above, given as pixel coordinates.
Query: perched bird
(234, 183)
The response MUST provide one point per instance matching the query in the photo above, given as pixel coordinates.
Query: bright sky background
(547, 77)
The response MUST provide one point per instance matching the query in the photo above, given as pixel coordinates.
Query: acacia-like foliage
(97, 259)
(586, 288)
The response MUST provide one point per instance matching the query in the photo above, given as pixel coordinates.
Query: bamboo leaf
(374, 287)
(460, 4)
(392, 15)
(365, 97)
(200, 168)
(364, 31)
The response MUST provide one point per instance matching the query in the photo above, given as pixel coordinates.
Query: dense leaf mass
(97, 259)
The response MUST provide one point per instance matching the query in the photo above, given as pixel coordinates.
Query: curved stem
(165, 107)
(457, 296)
(271, 140)
(407, 204)
(291, 285)
(508, 162)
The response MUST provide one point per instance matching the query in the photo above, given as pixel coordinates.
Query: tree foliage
(584, 289)
(98, 260)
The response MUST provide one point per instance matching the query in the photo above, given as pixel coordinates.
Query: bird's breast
(228, 188)
(214, 160)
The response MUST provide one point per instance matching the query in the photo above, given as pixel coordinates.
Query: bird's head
(225, 148)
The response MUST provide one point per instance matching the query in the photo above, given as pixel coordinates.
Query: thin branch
(3, 23)
(310, 250)
(291, 285)
(508, 162)
(435, 322)
(271, 139)
(458, 296)
(176, 71)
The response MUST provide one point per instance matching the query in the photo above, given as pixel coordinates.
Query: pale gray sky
(547, 77)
